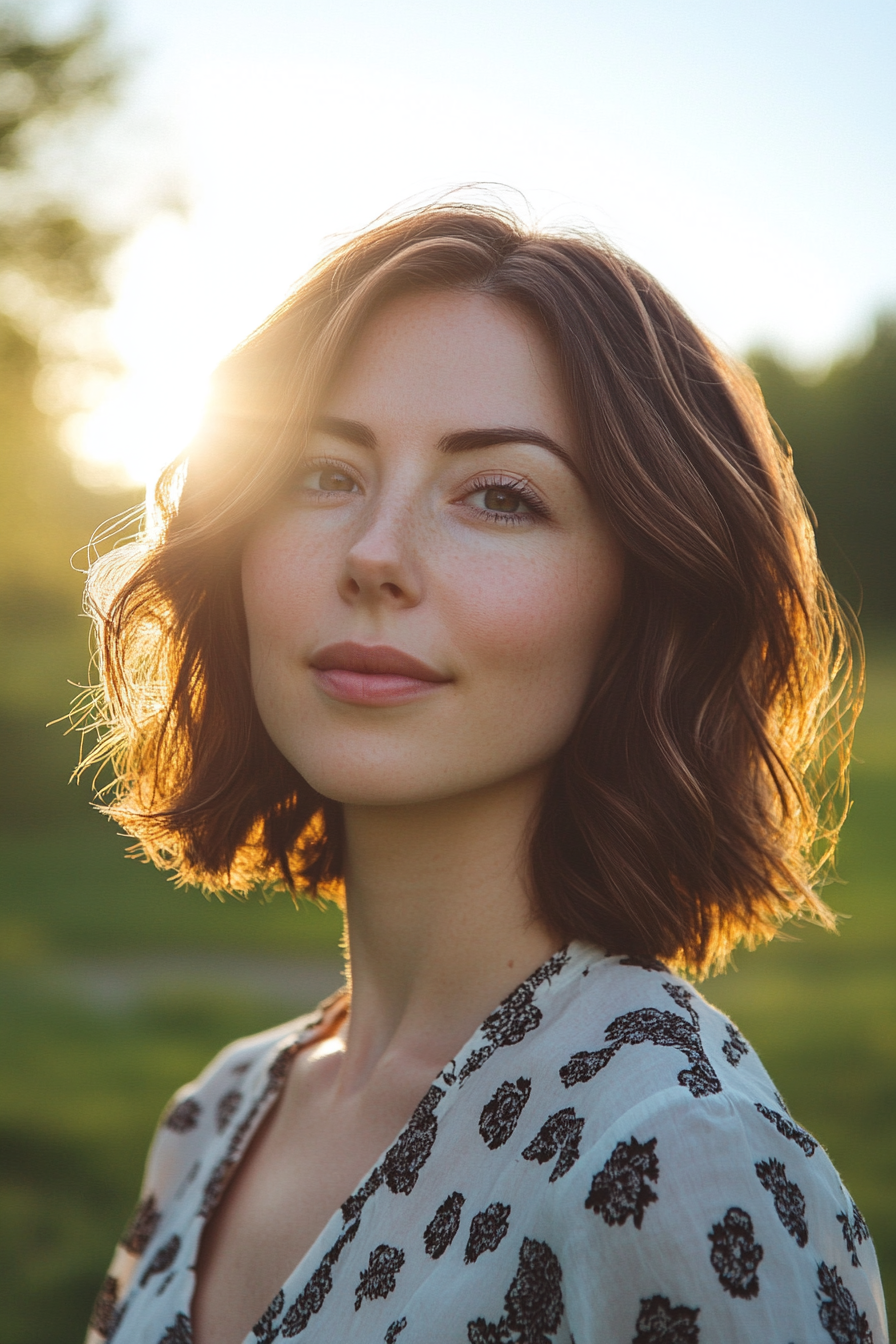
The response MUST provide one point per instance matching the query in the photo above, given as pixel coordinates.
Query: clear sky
(743, 152)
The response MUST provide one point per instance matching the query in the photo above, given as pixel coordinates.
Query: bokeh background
(167, 169)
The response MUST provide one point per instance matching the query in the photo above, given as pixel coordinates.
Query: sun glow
(185, 296)
(168, 343)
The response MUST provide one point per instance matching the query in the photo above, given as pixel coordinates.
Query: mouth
(373, 674)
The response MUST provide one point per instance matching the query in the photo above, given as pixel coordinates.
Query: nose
(381, 566)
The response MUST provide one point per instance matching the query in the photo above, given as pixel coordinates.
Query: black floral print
(481, 1331)
(534, 1301)
(223, 1170)
(859, 1226)
(559, 1136)
(735, 1255)
(184, 1116)
(378, 1279)
(163, 1259)
(142, 1227)
(790, 1203)
(846, 1228)
(735, 1047)
(513, 1018)
(500, 1115)
(658, 1027)
(533, 1305)
(838, 1312)
(645, 963)
(316, 1290)
(395, 1330)
(661, 1323)
(226, 1108)
(181, 1332)
(855, 1231)
(216, 1183)
(405, 1159)
(279, 1066)
(487, 1230)
(265, 1328)
(104, 1317)
(620, 1190)
(351, 1208)
(221, 1173)
(442, 1230)
(788, 1129)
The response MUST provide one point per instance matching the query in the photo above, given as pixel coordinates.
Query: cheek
(280, 578)
(539, 620)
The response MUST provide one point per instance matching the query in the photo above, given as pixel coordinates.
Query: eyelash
(518, 485)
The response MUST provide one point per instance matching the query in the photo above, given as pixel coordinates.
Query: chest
(307, 1158)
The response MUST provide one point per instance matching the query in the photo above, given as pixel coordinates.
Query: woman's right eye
(330, 479)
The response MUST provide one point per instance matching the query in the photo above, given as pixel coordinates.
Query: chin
(378, 788)
(397, 778)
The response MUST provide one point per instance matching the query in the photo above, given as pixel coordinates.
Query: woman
(486, 602)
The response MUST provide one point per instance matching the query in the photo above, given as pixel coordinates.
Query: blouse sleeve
(187, 1126)
(715, 1218)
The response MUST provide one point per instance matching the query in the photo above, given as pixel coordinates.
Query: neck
(440, 921)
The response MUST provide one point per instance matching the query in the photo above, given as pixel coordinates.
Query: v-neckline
(326, 1019)
(450, 1079)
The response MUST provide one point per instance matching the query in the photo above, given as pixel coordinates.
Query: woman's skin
(482, 557)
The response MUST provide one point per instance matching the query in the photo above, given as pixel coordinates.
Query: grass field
(81, 1086)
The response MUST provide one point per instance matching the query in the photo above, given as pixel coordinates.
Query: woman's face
(426, 601)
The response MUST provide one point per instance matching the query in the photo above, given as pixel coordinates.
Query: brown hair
(691, 806)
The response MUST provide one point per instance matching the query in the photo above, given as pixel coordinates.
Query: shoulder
(652, 1031)
(193, 1105)
(691, 1183)
(649, 1053)
(201, 1110)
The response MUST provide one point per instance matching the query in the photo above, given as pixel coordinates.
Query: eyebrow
(463, 441)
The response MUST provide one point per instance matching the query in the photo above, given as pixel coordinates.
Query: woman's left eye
(504, 500)
(498, 500)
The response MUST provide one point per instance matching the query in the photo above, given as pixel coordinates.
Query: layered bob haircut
(697, 798)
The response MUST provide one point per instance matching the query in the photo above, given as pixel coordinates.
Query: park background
(166, 171)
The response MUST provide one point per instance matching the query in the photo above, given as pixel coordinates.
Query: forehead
(456, 359)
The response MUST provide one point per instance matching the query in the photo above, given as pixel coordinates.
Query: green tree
(53, 92)
(842, 428)
(52, 265)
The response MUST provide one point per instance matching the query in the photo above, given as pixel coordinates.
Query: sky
(742, 152)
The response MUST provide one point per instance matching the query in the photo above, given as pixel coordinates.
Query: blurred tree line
(841, 425)
(52, 273)
(53, 261)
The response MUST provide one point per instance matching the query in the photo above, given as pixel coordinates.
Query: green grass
(80, 1089)
(75, 892)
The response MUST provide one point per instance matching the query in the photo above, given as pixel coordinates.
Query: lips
(373, 674)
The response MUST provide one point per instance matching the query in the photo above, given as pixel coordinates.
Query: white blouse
(605, 1162)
